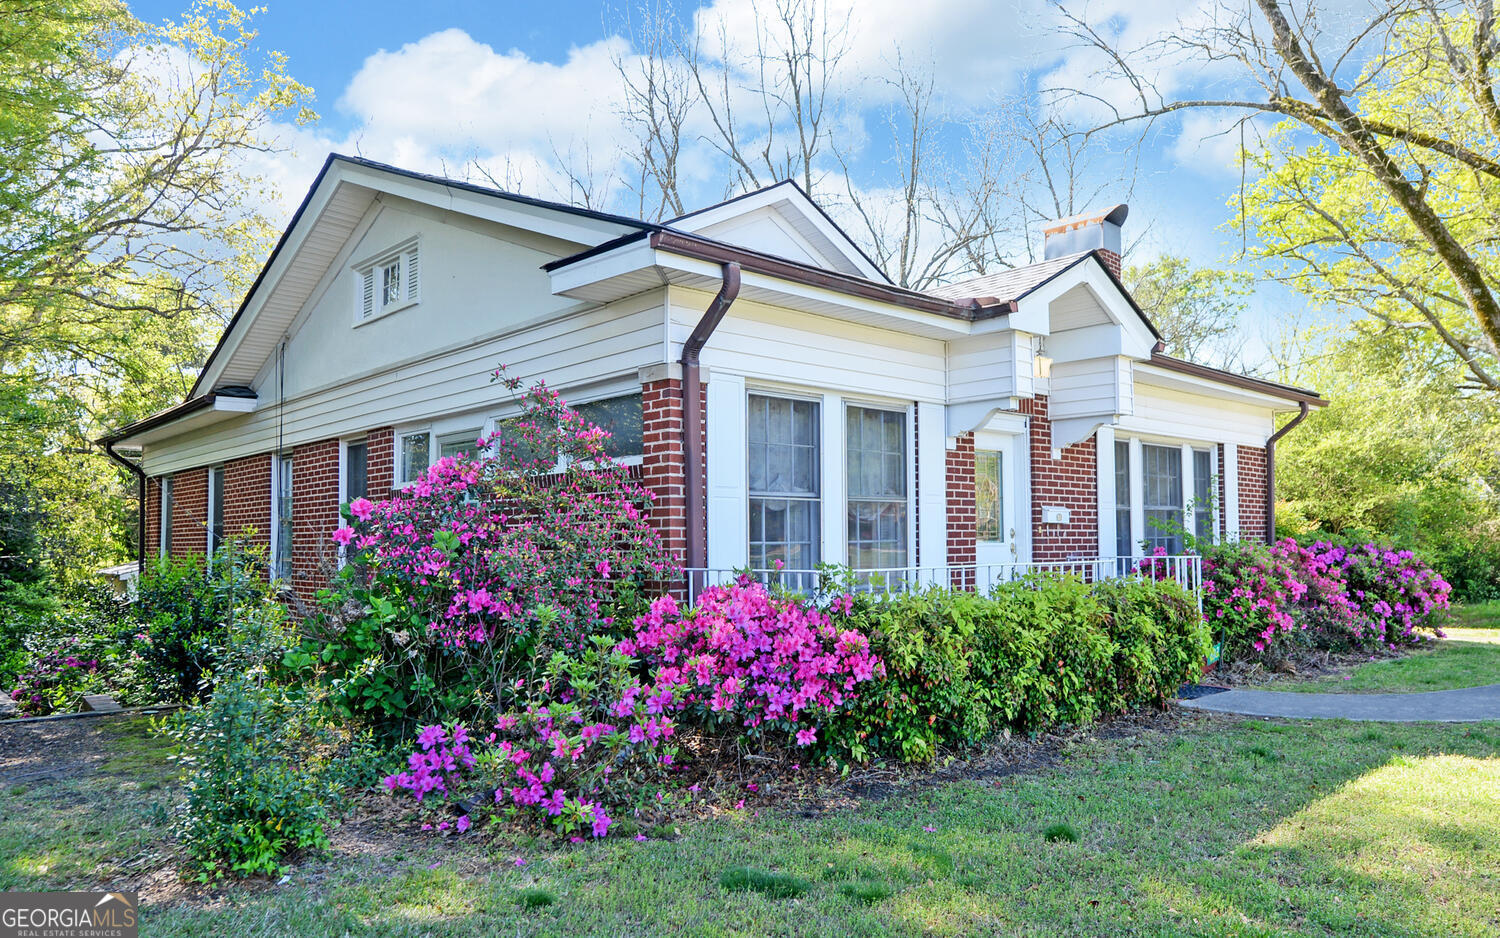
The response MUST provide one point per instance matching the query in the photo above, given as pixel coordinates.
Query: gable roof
(809, 217)
(1009, 284)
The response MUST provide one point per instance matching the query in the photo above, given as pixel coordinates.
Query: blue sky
(440, 84)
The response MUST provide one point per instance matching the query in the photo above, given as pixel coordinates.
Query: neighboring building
(1026, 416)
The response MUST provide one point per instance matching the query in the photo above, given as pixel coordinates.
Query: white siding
(1180, 415)
(770, 344)
(571, 350)
(728, 485)
(1094, 387)
(983, 367)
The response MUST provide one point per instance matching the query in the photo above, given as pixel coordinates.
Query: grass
(1224, 827)
(1468, 657)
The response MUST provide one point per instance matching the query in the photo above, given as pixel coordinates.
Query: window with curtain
(1124, 546)
(784, 471)
(416, 456)
(1205, 512)
(989, 494)
(877, 496)
(1161, 502)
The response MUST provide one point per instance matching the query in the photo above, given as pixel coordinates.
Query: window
(1124, 545)
(283, 500)
(875, 442)
(784, 482)
(215, 509)
(414, 455)
(387, 283)
(621, 417)
(1205, 515)
(165, 527)
(989, 494)
(356, 470)
(452, 444)
(1161, 477)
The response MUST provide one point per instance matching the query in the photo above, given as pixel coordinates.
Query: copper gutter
(692, 422)
(1271, 469)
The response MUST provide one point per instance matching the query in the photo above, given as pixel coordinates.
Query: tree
(1386, 150)
(129, 229)
(1196, 309)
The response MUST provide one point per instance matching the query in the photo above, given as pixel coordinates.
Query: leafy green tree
(1197, 310)
(129, 227)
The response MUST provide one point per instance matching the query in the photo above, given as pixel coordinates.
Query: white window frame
(408, 257)
(164, 517)
(832, 512)
(213, 504)
(635, 460)
(909, 454)
(1190, 451)
(398, 470)
(1136, 441)
(277, 460)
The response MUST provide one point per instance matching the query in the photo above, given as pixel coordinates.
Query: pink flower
(807, 737)
(362, 508)
(342, 536)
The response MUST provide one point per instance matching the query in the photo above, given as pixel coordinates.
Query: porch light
(1041, 365)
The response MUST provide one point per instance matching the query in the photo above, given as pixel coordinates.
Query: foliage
(1427, 482)
(257, 758)
(1031, 654)
(1196, 309)
(1322, 593)
(186, 608)
(87, 641)
(129, 228)
(591, 738)
(775, 885)
(475, 576)
(744, 658)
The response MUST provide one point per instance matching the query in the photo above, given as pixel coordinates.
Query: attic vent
(387, 282)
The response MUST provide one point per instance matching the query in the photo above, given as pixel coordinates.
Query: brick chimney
(1088, 231)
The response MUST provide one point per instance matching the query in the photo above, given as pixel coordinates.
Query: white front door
(997, 547)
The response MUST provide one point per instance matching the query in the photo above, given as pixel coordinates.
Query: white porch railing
(1184, 569)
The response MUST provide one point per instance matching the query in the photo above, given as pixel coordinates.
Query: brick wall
(247, 500)
(1252, 475)
(315, 514)
(153, 518)
(189, 512)
(962, 516)
(663, 465)
(1111, 260)
(1070, 482)
(380, 462)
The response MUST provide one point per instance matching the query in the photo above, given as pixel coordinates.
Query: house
(1026, 417)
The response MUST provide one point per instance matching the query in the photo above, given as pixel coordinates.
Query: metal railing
(1183, 569)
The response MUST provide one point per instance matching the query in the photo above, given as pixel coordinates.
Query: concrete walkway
(1467, 705)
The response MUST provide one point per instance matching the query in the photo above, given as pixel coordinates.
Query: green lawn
(1468, 657)
(1220, 826)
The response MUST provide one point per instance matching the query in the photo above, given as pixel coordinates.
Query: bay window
(784, 482)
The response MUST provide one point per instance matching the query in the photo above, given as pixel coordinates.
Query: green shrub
(184, 606)
(257, 759)
(1031, 654)
(85, 642)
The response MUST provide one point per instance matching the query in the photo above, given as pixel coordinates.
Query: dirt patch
(54, 749)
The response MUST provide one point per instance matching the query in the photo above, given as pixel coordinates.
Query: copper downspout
(692, 423)
(140, 521)
(1271, 469)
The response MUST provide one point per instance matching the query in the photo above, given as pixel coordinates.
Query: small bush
(1060, 833)
(256, 759)
(775, 885)
(86, 642)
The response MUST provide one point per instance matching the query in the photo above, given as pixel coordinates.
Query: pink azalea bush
(489, 563)
(589, 743)
(746, 658)
(1325, 594)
